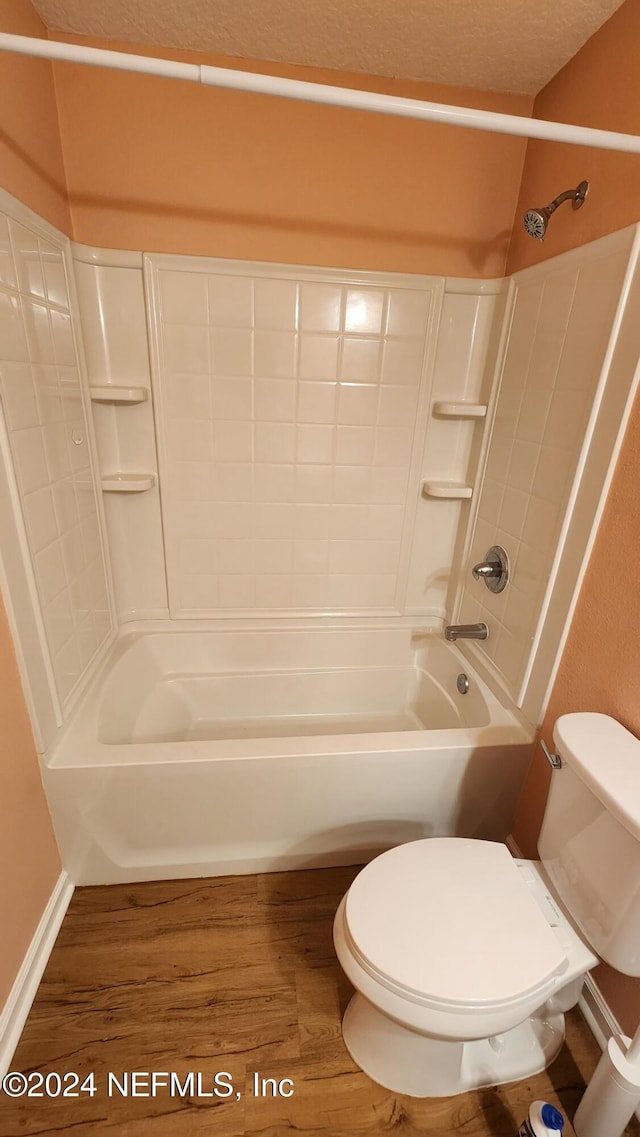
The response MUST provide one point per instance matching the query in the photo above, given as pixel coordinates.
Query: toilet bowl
(463, 966)
(464, 959)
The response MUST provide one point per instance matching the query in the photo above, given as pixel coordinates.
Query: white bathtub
(202, 753)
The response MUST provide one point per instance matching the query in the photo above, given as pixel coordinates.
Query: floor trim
(17, 1007)
(599, 1017)
(598, 1014)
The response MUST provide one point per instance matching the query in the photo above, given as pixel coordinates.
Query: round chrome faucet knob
(494, 569)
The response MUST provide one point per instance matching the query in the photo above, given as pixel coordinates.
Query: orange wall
(599, 87)
(31, 169)
(600, 668)
(170, 166)
(31, 165)
(28, 853)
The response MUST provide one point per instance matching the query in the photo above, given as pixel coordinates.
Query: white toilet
(464, 959)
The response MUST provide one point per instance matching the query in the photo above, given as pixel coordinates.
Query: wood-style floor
(236, 975)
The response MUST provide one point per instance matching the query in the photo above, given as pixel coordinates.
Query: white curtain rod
(320, 93)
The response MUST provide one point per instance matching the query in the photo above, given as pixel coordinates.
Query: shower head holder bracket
(579, 194)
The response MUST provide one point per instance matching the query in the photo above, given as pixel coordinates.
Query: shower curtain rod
(321, 93)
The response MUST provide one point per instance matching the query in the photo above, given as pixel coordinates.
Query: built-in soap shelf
(454, 491)
(114, 393)
(127, 483)
(460, 410)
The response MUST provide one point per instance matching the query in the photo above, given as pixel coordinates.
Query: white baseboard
(599, 1017)
(17, 1007)
(598, 1014)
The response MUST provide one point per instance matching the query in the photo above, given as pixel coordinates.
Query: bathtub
(199, 753)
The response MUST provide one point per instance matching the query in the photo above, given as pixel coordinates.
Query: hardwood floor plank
(235, 975)
(322, 996)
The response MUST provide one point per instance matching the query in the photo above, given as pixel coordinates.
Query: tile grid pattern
(41, 396)
(559, 333)
(289, 410)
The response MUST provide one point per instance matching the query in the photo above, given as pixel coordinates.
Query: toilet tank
(589, 843)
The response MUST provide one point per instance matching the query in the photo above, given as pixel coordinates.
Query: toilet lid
(451, 921)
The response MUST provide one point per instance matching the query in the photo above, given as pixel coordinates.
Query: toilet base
(409, 1063)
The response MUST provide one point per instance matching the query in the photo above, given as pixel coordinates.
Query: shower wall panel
(561, 326)
(47, 437)
(464, 368)
(290, 407)
(112, 310)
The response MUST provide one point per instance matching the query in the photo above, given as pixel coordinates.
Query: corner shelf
(454, 491)
(127, 483)
(460, 410)
(112, 393)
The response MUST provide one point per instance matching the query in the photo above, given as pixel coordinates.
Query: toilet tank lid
(607, 758)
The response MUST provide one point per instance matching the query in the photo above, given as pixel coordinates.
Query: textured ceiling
(501, 45)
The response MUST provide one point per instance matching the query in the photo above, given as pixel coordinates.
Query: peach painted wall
(31, 169)
(600, 667)
(28, 853)
(172, 167)
(599, 87)
(31, 166)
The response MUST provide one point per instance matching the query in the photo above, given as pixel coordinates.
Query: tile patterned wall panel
(47, 430)
(560, 329)
(289, 408)
(464, 369)
(111, 306)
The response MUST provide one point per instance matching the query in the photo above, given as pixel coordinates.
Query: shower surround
(292, 417)
(294, 469)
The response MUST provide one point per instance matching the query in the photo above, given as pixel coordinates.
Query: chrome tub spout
(466, 632)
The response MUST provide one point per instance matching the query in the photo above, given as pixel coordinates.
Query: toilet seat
(450, 924)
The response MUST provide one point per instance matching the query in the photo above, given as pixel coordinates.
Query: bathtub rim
(80, 732)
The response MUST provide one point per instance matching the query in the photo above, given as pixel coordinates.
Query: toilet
(464, 959)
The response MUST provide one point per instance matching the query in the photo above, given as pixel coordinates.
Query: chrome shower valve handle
(494, 570)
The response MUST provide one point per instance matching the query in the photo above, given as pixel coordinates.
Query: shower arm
(574, 195)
